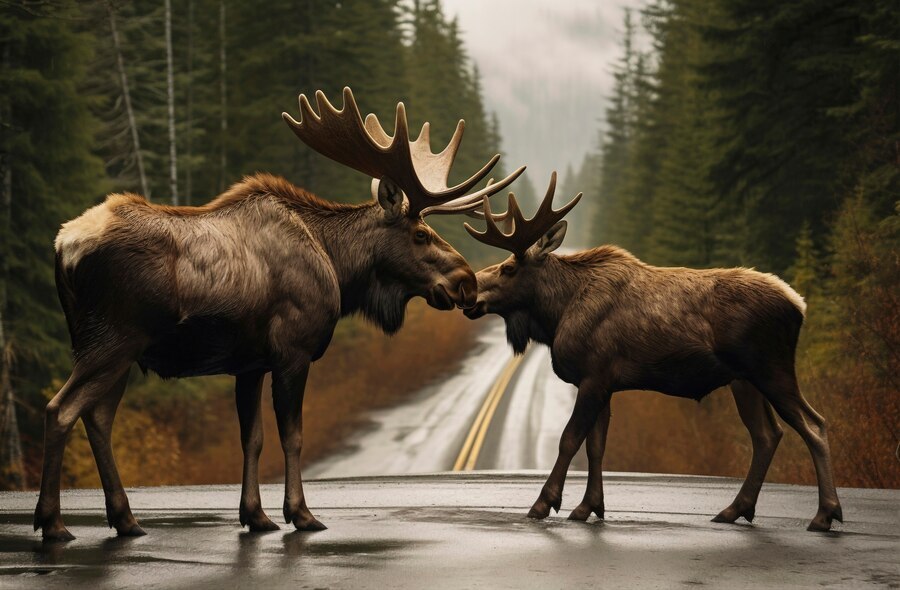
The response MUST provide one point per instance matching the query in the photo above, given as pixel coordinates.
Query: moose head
(509, 288)
(409, 183)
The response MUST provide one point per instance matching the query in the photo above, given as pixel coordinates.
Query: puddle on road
(513, 520)
(361, 553)
(188, 521)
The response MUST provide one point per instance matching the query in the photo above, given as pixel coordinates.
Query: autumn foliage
(186, 432)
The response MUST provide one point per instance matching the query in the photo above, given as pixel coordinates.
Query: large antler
(343, 136)
(522, 232)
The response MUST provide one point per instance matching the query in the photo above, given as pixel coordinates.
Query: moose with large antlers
(614, 323)
(253, 282)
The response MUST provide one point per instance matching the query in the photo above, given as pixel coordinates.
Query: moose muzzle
(457, 289)
(476, 311)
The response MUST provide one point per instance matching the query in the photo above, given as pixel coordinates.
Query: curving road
(497, 412)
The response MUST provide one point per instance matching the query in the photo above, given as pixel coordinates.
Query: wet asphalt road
(461, 531)
(427, 434)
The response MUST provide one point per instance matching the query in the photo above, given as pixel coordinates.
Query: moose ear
(551, 240)
(390, 197)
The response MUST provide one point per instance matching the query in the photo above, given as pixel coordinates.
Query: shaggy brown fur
(614, 323)
(252, 282)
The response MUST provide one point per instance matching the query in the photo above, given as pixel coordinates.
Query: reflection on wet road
(460, 530)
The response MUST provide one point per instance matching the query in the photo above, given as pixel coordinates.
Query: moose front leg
(288, 385)
(588, 404)
(596, 445)
(248, 393)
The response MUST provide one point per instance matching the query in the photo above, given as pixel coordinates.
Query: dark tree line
(745, 122)
(177, 100)
(767, 133)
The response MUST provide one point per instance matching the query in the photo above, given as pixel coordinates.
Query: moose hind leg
(782, 391)
(288, 385)
(596, 445)
(98, 423)
(248, 393)
(84, 388)
(765, 434)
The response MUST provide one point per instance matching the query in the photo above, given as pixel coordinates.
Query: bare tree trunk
(170, 91)
(224, 96)
(12, 472)
(189, 165)
(126, 95)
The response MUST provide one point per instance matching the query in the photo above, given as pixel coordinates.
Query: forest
(754, 133)
(176, 101)
(765, 134)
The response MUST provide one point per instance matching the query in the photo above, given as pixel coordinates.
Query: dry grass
(654, 433)
(187, 432)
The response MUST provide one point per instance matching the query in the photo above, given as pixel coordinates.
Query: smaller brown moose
(614, 323)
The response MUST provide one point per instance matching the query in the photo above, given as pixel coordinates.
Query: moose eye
(421, 236)
(508, 269)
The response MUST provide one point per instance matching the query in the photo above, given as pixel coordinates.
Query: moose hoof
(541, 508)
(51, 525)
(310, 524)
(583, 511)
(58, 534)
(134, 530)
(302, 519)
(538, 513)
(824, 517)
(262, 525)
(257, 521)
(124, 522)
(732, 513)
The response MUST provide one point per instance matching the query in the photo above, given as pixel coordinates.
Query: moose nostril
(467, 291)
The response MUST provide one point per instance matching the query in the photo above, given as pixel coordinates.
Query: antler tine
(448, 154)
(472, 202)
(523, 232)
(492, 235)
(376, 131)
(364, 145)
(401, 129)
(339, 135)
(475, 213)
(425, 135)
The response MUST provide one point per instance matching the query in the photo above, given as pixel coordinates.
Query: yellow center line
(468, 455)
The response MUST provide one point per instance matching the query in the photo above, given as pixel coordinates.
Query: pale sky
(546, 68)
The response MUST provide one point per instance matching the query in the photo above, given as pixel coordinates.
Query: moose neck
(347, 235)
(561, 283)
(351, 237)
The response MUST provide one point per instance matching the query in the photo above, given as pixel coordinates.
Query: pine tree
(776, 82)
(50, 175)
(615, 220)
(804, 273)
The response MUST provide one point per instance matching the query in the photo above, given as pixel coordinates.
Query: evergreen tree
(804, 274)
(50, 175)
(617, 146)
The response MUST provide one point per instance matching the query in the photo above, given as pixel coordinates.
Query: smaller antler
(522, 232)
